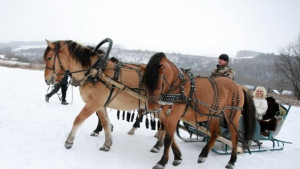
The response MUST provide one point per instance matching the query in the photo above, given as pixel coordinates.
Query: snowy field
(33, 132)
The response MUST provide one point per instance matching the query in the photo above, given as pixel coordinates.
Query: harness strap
(140, 86)
(117, 69)
(192, 91)
(194, 103)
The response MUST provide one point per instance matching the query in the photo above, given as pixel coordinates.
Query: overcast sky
(202, 27)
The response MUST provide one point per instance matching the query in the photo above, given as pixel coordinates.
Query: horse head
(156, 79)
(67, 57)
(54, 70)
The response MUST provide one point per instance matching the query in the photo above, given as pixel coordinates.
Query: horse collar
(181, 74)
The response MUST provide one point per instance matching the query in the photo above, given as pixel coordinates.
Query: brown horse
(69, 57)
(196, 99)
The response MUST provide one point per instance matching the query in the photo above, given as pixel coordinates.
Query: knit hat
(224, 57)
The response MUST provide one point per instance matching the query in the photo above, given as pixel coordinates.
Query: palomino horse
(69, 57)
(196, 99)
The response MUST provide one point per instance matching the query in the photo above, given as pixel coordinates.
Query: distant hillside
(247, 53)
(252, 68)
(17, 44)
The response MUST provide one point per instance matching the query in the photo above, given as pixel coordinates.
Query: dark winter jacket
(223, 71)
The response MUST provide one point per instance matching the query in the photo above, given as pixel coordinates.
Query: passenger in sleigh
(265, 109)
(269, 121)
(261, 104)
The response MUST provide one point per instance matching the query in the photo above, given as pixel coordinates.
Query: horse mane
(82, 54)
(150, 77)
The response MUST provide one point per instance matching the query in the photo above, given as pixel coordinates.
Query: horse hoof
(201, 159)
(158, 166)
(156, 135)
(94, 134)
(131, 131)
(154, 150)
(104, 148)
(229, 166)
(176, 162)
(68, 145)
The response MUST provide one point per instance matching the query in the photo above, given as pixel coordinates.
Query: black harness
(117, 73)
(191, 100)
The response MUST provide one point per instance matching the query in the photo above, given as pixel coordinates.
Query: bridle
(56, 50)
(100, 63)
(169, 88)
(56, 55)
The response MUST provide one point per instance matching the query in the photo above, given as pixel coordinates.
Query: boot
(54, 90)
(47, 98)
(64, 102)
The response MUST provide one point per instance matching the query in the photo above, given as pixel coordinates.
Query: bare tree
(288, 66)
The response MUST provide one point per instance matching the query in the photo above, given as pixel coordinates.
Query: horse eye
(49, 58)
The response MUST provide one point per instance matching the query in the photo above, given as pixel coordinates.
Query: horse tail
(249, 120)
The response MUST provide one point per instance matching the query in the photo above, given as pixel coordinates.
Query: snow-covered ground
(33, 132)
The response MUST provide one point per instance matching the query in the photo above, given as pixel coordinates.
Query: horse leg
(164, 159)
(234, 140)
(84, 114)
(169, 140)
(102, 113)
(161, 132)
(96, 132)
(160, 141)
(137, 122)
(215, 132)
(177, 153)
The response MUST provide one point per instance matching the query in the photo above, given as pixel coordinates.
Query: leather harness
(189, 101)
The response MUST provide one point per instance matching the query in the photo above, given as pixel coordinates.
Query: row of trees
(288, 66)
(7, 51)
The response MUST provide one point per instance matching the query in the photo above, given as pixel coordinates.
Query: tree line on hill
(251, 67)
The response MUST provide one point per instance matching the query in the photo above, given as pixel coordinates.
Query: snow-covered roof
(275, 91)
(287, 92)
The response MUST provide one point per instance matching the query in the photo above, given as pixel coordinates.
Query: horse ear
(50, 44)
(161, 69)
